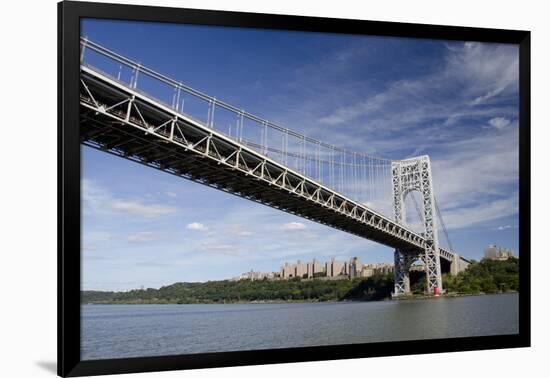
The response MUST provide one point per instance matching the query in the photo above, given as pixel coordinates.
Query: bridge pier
(117, 118)
(410, 175)
(402, 282)
(457, 265)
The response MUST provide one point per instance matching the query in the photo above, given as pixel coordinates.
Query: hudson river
(114, 331)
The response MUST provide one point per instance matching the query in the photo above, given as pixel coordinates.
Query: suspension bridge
(134, 112)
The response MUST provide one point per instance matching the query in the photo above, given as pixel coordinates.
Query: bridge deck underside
(141, 130)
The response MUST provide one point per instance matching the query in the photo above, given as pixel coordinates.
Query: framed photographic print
(239, 188)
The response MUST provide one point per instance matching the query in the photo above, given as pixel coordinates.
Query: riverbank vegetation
(486, 276)
(375, 287)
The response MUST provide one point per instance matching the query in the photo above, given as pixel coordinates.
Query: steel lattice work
(117, 117)
(407, 176)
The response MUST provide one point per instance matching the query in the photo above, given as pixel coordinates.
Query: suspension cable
(440, 217)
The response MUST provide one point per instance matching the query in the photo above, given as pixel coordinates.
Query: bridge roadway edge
(210, 172)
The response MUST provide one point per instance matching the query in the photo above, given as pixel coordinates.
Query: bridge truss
(408, 176)
(119, 118)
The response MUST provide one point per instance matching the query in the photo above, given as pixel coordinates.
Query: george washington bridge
(131, 111)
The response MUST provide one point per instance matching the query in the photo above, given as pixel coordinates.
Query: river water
(115, 331)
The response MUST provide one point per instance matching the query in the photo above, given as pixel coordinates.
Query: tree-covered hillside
(486, 276)
(376, 287)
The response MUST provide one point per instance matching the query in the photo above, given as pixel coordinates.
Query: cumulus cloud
(293, 226)
(195, 226)
(499, 122)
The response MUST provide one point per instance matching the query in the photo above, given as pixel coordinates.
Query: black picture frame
(69, 15)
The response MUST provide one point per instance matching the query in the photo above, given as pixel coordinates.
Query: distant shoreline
(481, 278)
(160, 302)
(451, 295)
(403, 298)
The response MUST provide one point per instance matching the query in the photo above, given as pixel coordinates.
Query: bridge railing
(362, 177)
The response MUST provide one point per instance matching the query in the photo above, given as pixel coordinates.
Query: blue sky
(391, 97)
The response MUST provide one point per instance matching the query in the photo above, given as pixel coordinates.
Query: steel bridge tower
(409, 175)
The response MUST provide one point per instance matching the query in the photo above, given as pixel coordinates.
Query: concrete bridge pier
(457, 264)
(403, 261)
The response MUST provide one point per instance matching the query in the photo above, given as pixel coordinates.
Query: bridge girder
(124, 122)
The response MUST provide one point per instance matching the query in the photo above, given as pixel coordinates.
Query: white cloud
(477, 180)
(504, 227)
(97, 199)
(143, 236)
(475, 73)
(348, 113)
(499, 122)
(94, 196)
(195, 226)
(172, 194)
(483, 212)
(293, 226)
(475, 171)
(140, 208)
(490, 70)
(474, 177)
